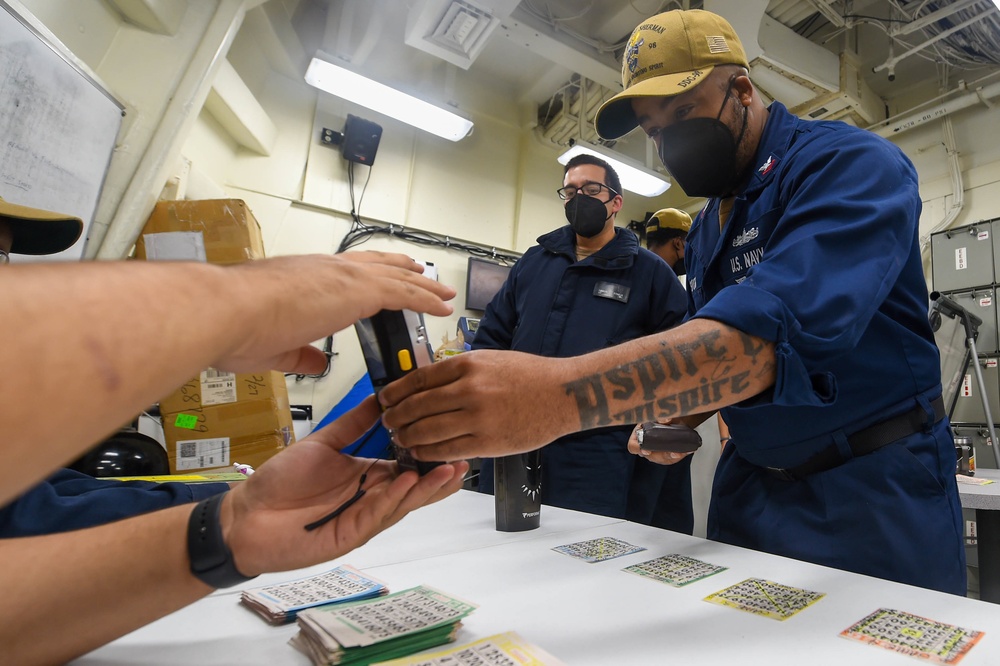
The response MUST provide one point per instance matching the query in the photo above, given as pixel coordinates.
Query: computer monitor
(483, 281)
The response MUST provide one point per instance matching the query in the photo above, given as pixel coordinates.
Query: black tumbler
(517, 486)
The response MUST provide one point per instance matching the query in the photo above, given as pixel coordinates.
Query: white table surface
(986, 501)
(583, 613)
(457, 526)
(982, 497)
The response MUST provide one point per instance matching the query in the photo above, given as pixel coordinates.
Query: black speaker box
(361, 139)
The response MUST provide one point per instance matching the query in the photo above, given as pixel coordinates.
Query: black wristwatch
(211, 560)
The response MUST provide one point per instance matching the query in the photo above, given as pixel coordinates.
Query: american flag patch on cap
(717, 44)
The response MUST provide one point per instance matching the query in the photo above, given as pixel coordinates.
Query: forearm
(97, 361)
(494, 403)
(92, 586)
(693, 420)
(69, 593)
(693, 369)
(99, 341)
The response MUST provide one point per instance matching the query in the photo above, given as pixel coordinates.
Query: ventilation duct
(455, 30)
(810, 80)
(569, 115)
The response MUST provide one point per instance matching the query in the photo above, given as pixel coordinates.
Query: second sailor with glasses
(585, 286)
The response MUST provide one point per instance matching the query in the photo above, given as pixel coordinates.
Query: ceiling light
(635, 177)
(385, 100)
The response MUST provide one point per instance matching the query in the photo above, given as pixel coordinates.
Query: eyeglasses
(591, 189)
(4, 257)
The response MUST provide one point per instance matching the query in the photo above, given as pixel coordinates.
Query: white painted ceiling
(537, 47)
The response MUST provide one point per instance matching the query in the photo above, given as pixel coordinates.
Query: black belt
(865, 441)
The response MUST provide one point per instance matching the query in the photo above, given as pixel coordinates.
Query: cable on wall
(361, 232)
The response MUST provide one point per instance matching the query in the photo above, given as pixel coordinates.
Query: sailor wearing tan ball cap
(804, 281)
(666, 236)
(25, 230)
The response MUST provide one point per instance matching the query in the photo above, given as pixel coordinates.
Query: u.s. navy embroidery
(616, 292)
(752, 257)
(745, 237)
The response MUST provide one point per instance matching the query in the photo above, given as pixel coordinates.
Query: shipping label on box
(202, 454)
(217, 387)
(223, 231)
(175, 246)
(214, 387)
(248, 433)
(257, 425)
(221, 453)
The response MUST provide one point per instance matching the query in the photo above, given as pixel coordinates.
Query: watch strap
(211, 560)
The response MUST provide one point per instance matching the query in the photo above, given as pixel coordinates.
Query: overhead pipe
(933, 17)
(891, 63)
(957, 186)
(977, 96)
(557, 123)
(831, 15)
(165, 146)
(572, 118)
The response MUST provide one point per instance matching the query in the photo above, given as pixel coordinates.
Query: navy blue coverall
(553, 305)
(69, 500)
(820, 255)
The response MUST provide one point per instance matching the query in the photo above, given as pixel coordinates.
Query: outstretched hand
(481, 403)
(313, 296)
(264, 517)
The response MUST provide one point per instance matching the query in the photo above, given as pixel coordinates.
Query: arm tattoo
(628, 393)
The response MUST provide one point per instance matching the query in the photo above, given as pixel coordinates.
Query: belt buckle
(781, 473)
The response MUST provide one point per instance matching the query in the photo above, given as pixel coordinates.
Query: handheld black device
(394, 343)
(673, 437)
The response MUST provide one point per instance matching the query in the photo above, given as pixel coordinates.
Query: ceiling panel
(543, 46)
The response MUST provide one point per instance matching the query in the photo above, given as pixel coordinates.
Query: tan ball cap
(37, 231)
(666, 55)
(667, 218)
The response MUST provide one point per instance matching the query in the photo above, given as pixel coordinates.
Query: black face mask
(701, 154)
(586, 215)
(679, 267)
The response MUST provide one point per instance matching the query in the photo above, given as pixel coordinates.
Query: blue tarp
(376, 440)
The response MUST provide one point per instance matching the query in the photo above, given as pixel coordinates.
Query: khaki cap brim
(668, 54)
(36, 231)
(615, 117)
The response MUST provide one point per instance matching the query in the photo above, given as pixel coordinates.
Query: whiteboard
(58, 126)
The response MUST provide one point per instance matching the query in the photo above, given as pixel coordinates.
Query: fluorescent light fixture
(635, 177)
(387, 101)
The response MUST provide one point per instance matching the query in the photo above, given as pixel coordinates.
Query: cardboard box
(213, 388)
(217, 418)
(218, 436)
(219, 231)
